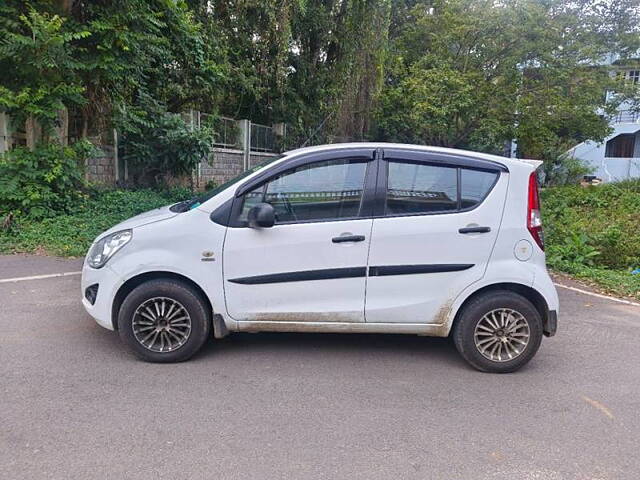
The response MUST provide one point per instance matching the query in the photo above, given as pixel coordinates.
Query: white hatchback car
(364, 237)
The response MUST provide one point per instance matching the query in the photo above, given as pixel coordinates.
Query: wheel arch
(128, 286)
(530, 293)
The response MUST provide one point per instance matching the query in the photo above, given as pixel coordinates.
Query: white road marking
(599, 295)
(38, 277)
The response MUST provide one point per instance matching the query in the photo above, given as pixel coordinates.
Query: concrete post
(33, 132)
(62, 129)
(116, 162)
(4, 132)
(245, 141)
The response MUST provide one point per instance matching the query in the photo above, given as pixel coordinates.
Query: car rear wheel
(164, 321)
(498, 332)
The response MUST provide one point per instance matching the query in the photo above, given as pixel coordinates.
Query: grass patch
(593, 234)
(70, 234)
(613, 282)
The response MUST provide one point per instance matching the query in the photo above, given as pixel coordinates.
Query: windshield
(200, 199)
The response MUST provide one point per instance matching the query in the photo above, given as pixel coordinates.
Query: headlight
(106, 247)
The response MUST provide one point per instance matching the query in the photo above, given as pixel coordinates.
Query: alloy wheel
(502, 335)
(161, 324)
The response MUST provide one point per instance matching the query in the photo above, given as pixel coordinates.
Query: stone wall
(225, 163)
(101, 168)
(222, 165)
(256, 158)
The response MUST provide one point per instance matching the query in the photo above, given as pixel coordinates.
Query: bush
(593, 226)
(72, 233)
(564, 170)
(42, 182)
(158, 144)
(574, 249)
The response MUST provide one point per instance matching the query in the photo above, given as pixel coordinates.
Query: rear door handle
(348, 238)
(474, 230)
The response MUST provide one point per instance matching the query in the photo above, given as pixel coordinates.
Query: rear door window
(414, 188)
(422, 188)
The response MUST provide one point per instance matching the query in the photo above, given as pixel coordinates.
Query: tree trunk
(66, 5)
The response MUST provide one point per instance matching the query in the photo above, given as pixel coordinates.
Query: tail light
(534, 220)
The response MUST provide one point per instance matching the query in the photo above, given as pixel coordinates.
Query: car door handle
(348, 238)
(474, 230)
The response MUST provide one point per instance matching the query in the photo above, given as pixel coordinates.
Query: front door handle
(348, 238)
(474, 230)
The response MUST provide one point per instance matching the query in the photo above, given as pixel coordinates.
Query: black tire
(471, 314)
(190, 299)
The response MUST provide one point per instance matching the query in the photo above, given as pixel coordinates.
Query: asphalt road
(74, 404)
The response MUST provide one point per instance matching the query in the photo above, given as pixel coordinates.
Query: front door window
(321, 191)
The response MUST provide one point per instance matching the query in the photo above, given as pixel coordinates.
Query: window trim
(376, 179)
(438, 160)
(365, 155)
(442, 159)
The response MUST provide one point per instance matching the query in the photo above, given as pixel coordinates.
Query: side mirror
(262, 215)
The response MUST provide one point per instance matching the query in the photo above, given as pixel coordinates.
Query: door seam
(377, 161)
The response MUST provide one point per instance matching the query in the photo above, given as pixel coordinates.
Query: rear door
(311, 265)
(436, 221)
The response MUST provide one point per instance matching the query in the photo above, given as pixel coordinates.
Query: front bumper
(108, 283)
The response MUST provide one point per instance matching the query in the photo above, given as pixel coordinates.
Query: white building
(618, 157)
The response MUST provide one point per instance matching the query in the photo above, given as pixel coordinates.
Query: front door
(311, 265)
(437, 221)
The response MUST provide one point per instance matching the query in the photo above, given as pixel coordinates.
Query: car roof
(485, 156)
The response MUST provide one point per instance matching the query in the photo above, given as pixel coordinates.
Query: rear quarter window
(475, 185)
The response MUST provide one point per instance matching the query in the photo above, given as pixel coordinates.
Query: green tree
(475, 74)
(42, 73)
(314, 64)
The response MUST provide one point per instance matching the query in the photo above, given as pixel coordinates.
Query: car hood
(152, 216)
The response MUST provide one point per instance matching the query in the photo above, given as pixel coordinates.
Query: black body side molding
(304, 276)
(382, 271)
(348, 272)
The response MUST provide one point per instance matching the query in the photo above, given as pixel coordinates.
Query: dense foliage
(39, 65)
(465, 73)
(598, 225)
(476, 73)
(161, 145)
(593, 233)
(85, 67)
(44, 182)
(71, 234)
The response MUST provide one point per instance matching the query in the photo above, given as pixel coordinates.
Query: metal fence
(232, 133)
(226, 131)
(262, 138)
(626, 116)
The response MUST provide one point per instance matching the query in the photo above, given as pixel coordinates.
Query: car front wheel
(498, 332)
(164, 320)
